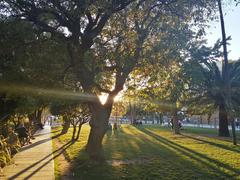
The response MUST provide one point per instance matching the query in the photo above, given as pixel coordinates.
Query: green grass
(57, 169)
(205, 131)
(153, 152)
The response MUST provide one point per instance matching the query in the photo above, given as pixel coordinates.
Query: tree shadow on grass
(54, 130)
(117, 145)
(142, 158)
(213, 143)
(49, 158)
(212, 133)
(211, 163)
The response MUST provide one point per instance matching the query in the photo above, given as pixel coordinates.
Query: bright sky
(232, 25)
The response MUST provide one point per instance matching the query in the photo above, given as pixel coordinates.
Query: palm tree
(207, 88)
(226, 74)
(225, 83)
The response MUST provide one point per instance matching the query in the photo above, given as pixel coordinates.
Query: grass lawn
(153, 152)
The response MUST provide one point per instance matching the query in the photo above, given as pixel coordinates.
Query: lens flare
(26, 90)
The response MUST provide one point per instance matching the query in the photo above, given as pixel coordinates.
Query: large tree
(27, 64)
(226, 75)
(206, 85)
(83, 25)
(164, 88)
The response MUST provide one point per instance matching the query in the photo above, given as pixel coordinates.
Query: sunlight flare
(18, 89)
(103, 98)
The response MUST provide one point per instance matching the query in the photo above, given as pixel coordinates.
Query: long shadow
(24, 148)
(193, 154)
(150, 152)
(52, 131)
(38, 143)
(57, 130)
(56, 136)
(40, 134)
(85, 170)
(212, 143)
(59, 151)
(206, 134)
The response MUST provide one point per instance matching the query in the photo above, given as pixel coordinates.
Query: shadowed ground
(153, 152)
(35, 161)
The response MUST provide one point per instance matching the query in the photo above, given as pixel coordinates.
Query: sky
(232, 26)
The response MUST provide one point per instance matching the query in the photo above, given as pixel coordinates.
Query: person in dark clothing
(23, 135)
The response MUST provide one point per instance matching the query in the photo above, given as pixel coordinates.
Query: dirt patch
(129, 161)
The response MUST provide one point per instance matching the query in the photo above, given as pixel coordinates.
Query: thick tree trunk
(99, 126)
(66, 125)
(94, 146)
(176, 128)
(223, 122)
(78, 133)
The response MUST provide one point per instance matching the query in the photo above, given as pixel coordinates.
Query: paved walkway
(35, 161)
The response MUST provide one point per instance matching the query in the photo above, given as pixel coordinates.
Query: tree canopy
(97, 44)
